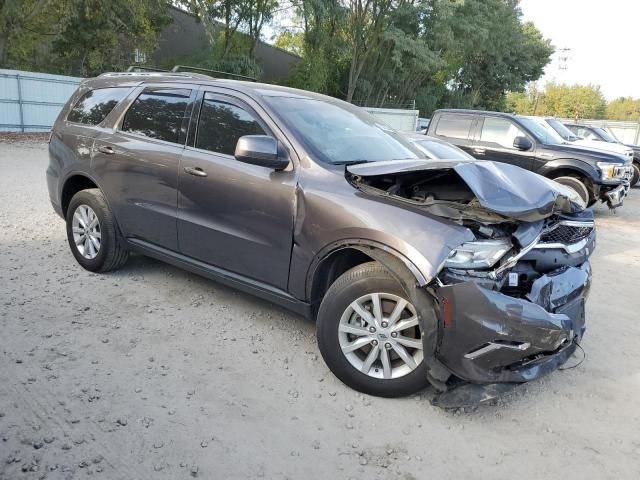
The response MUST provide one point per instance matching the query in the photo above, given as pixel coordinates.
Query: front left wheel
(369, 336)
(92, 233)
(636, 174)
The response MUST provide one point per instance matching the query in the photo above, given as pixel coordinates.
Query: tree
(559, 100)
(572, 101)
(231, 12)
(622, 108)
(291, 42)
(325, 59)
(257, 12)
(494, 52)
(402, 62)
(99, 36)
(16, 18)
(367, 22)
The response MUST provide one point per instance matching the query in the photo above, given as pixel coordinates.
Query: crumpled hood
(504, 189)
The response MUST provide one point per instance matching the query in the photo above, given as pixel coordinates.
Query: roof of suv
(113, 79)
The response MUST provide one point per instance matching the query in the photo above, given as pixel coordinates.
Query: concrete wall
(186, 36)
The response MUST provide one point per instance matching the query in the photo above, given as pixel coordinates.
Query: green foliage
(624, 109)
(81, 37)
(560, 100)
(325, 52)
(246, 16)
(493, 52)
(291, 42)
(438, 53)
(100, 36)
(26, 30)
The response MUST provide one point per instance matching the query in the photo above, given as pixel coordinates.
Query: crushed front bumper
(615, 197)
(487, 337)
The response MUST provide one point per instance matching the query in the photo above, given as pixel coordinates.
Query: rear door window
(498, 131)
(158, 113)
(454, 126)
(222, 123)
(94, 106)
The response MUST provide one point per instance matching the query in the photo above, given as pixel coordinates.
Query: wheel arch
(405, 272)
(74, 183)
(568, 166)
(339, 257)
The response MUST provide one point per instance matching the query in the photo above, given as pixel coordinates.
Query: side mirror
(522, 143)
(260, 150)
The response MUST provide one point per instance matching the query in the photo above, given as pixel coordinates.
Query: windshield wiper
(352, 162)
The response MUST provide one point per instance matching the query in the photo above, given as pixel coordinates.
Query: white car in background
(570, 137)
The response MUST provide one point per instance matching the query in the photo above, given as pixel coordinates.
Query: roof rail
(143, 68)
(179, 68)
(150, 74)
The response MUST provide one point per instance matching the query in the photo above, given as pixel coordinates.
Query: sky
(604, 38)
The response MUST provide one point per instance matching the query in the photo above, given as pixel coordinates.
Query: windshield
(606, 136)
(339, 134)
(561, 130)
(541, 130)
(442, 151)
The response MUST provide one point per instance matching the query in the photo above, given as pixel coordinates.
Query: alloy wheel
(380, 336)
(87, 235)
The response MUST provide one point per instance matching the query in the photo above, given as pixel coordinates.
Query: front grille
(623, 172)
(566, 234)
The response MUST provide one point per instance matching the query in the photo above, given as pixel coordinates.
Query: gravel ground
(152, 372)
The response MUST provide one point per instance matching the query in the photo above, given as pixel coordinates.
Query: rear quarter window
(158, 114)
(454, 126)
(94, 106)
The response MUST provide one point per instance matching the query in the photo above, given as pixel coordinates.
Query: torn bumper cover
(487, 337)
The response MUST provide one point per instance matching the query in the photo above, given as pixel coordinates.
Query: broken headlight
(480, 254)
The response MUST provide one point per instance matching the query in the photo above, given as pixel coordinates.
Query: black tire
(359, 281)
(111, 254)
(577, 186)
(636, 174)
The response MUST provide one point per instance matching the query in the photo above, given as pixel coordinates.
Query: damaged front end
(510, 304)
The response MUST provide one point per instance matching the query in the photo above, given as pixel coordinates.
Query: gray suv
(417, 270)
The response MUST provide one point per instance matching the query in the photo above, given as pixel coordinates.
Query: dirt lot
(152, 372)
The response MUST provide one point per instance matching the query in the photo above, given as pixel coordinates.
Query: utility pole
(563, 57)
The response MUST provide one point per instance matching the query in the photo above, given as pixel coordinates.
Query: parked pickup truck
(522, 141)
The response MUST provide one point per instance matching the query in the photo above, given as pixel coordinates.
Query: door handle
(479, 150)
(197, 171)
(106, 149)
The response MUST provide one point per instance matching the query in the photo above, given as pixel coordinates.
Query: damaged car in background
(471, 276)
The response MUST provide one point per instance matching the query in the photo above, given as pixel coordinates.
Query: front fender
(570, 164)
(333, 215)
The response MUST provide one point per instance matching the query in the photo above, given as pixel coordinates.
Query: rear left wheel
(92, 234)
(369, 336)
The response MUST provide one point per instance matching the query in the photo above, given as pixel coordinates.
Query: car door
(233, 215)
(494, 141)
(455, 128)
(137, 163)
